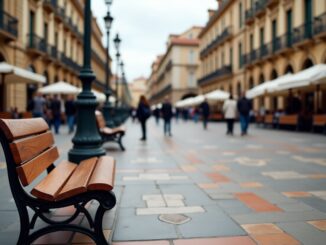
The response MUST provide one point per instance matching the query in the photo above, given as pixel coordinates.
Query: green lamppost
(107, 108)
(117, 42)
(87, 141)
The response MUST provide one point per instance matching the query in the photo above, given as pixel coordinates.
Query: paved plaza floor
(203, 187)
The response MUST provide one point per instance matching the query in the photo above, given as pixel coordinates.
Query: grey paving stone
(273, 196)
(315, 202)
(193, 195)
(272, 217)
(233, 207)
(130, 227)
(295, 207)
(305, 233)
(216, 224)
(132, 195)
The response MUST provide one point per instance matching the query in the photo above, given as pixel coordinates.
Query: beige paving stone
(169, 210)
(296, 194)
(208, 185)
(3, 165)
(319, 224)
(251, 185)
(267, 228)
(175, 203)
(188, 168)
(284, 175)
(221, 168)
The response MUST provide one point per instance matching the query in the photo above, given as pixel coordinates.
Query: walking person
(244, 108)
(70, 110)
(205, 111)
(230, 112)
(56, 113)
(156, 113)
(143, 113)
(167, 115)
(38, 105)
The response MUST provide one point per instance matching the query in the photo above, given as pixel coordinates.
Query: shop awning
(217, 95)
(313, 75)
(267, 87)
(60, 87)
(14, 74)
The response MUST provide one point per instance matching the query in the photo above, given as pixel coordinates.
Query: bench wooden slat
(27, 148)
(103, 175)
(268, 119)
(18, 128)
(5, 115)
(33, 168)
(78, 182)
(319, 120)
(289, 120)
(51, 185)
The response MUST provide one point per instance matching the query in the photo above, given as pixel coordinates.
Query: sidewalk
(202, 187)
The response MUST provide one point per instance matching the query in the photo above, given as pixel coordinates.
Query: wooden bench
(110, 134)
(269, 119)
(216, 117)
(319, 121)
(29, 149)
(5, 115)
(289, 120)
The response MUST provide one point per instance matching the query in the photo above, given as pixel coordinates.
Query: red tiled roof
(184, 41)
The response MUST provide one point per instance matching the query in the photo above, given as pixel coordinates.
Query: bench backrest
(31, 146)
(289, 119)
(5, 115)
(269, 118)
(319, 120)
(100, 119)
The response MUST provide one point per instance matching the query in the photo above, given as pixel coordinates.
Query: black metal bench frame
(115, 137)
(23, 200)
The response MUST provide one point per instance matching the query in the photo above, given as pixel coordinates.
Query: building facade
(248, 42)
(175, 73)
(46, 37)
(137, 88)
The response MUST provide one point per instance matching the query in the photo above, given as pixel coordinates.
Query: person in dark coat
(244, 108)
(70, 110)
(56, 112)
(205, 111)
(143, 113)
(156, 113)
(167, 115)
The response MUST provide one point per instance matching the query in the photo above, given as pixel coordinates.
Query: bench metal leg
(98, 226)
(24, 225)
(120, 142)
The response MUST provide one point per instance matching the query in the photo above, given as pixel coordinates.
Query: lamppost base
(78, 155)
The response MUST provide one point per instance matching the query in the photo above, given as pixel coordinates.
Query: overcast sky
(144, 26)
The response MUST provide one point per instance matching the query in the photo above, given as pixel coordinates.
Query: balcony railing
(227, 32)
(258, 8)
(37, 43)
(249, 14)
(319, 24)
(70, 63)
(8, 23)
(226, 70)
(51, 3)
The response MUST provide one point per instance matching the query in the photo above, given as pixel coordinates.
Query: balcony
(272, 3)
(260, 7)
(59, 13)
(70, 64)
(319, 26)
(8, 26)
(36, 45)
(224, 36)
(303, 33)
(219, 73)
(50, 4)
(250, 16)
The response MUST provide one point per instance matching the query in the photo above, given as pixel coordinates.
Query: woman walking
(230, 111)
(143, 113)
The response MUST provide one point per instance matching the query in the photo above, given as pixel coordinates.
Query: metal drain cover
(175, 219)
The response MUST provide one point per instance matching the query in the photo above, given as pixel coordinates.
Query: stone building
(46, 37)
(248, 42)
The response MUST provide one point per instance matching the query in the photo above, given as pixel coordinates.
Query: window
(45, 32)
(308, 18)
(31, 27)
(191, 80)
(240, 56)
(191, 57)
(223, 59)
(251, 41)
(262, 37)
(240, 16)
(231, 56)
(289, 28)
(274, 34)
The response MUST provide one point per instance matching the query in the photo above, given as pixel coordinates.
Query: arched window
(307, 63)
(289, 69)
(274, 74)
(251, 83)
(261, 78)
(239, 90)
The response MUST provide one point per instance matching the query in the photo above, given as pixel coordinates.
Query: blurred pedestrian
(47, 110)
(244, 108)
(143, 113)
(205, 111)
(56, 113)
(70, 110)
(230, 112)
(156, 113)
(167, 115)
(38, 105)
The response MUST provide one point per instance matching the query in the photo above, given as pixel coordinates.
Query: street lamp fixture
(87, 141)
(108, 4)
(108, 19)
(117, 42)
